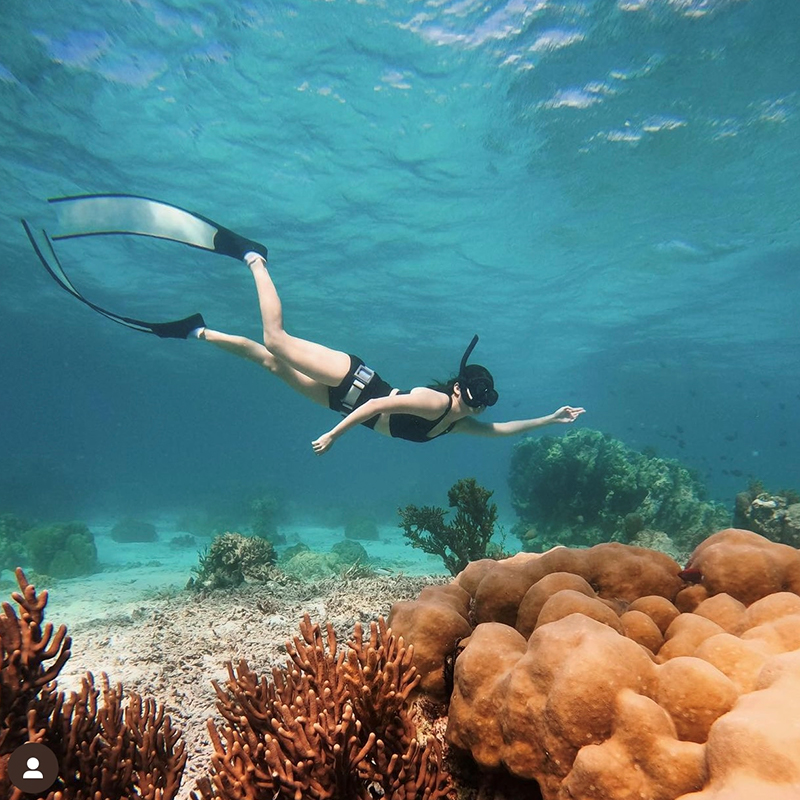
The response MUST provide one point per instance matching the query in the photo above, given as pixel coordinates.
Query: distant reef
(587, 487)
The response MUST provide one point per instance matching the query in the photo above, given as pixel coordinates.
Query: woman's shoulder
(427, 397)
(426, 391)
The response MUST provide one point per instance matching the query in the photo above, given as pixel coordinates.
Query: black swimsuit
(416, 429)
(410, 427)
(377, 387)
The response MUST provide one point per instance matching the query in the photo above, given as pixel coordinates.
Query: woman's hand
(323, 444)
(567, 414)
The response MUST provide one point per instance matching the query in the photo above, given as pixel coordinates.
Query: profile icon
(32, 773)
(33, 768)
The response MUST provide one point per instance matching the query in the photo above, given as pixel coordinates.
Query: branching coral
(331, 724)
(464, 539)
(26, 647)
(586, 487)
(104, 750)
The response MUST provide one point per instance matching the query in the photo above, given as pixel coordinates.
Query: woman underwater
(344, 383)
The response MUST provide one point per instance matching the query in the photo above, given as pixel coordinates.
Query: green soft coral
(587, 487)
(465, 538)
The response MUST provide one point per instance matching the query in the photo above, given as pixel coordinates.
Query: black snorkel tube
(476, 382)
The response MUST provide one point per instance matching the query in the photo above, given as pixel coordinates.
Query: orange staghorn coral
(105, 750)
(607, 677)
(331, 724)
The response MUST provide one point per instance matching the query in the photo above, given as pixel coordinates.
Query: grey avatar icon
(33, 768)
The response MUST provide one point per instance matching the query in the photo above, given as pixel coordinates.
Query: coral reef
(231, 559)
(181, 542)
(134, 530)
(349, 553)
(104, 749)
(266, 512)
(331, 724)
(658, 540)
(62, 551)
(776, 516)
(361, 528)
(12, 540)
(612, 674)
(464, 539)
(586, 487)
(307, 565)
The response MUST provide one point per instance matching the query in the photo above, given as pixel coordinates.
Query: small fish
(679, 429)
(737, 473)
(691, 575)
(731, 437)
(681, 444)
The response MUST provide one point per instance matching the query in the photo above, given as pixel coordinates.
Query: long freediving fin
(120, 214)
(175, 329)
(105, 214)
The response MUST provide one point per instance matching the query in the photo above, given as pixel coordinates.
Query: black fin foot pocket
(179, 329)
(228, 243)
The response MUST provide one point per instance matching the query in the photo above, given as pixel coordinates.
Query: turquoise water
(606, 192)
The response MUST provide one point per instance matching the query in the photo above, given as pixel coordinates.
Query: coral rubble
(586, 487)
(612, 674)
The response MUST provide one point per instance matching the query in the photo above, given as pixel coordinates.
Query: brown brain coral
(610, 673)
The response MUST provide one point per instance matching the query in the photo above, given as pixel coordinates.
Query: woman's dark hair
(446, 387)
(470, 371)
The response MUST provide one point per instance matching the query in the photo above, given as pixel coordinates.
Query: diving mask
(476, 382)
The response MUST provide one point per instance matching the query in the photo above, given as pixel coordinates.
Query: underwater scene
(400, 399)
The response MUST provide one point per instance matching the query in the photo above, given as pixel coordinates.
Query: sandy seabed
(135, 622)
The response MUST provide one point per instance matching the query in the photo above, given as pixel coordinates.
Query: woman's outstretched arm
(424, 402)
(472, 426)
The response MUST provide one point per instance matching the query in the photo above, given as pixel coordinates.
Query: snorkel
(476, 382)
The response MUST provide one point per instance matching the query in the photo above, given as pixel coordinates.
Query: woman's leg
(318, 362)
(258, 354)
